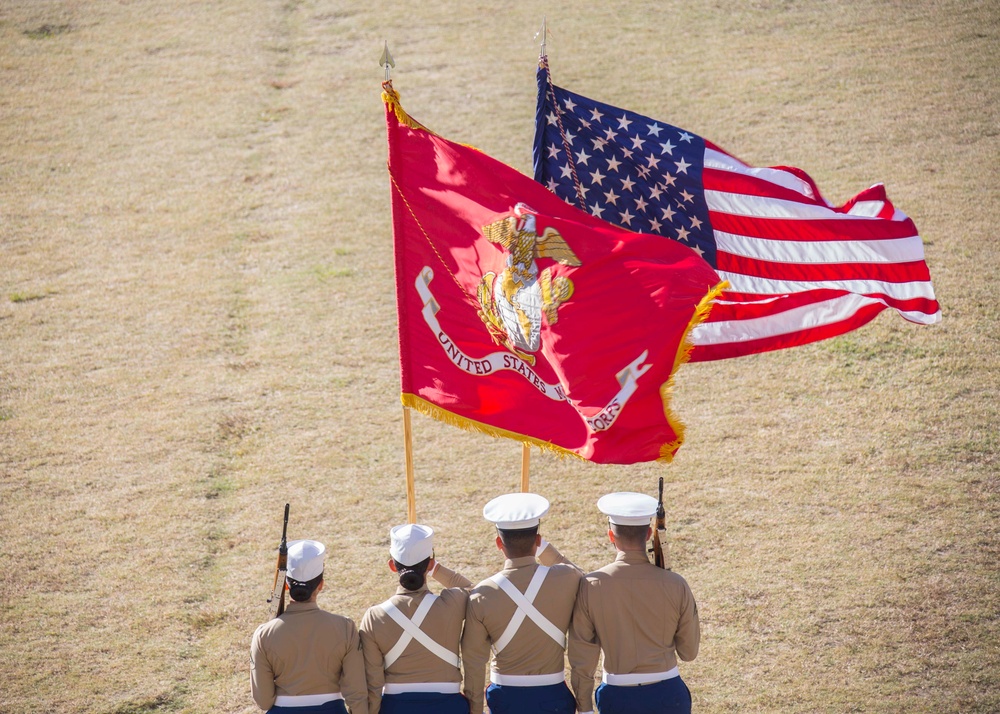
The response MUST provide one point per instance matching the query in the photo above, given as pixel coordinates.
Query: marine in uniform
(411, 641)
(307, 660)
(521, 614)
(643, 618)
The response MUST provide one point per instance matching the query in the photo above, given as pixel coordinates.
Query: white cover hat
(411, 543)
(626, 508)
(514, 511)
(305, 559)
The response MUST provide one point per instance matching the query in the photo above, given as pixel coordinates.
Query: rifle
(660, 534)
(281, 569)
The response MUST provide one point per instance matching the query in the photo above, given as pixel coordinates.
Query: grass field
(197, 325)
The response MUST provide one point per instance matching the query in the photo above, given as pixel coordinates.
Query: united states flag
(799, 269)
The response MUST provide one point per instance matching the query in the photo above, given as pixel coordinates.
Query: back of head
(412, 577)
(629, 515)
(301, 591)
(305, 568)
(630, 536)
(411, 547)
(516, 517)
(520, 542)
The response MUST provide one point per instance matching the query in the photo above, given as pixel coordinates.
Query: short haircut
(519, 542)
(630, 535)
(301, 591)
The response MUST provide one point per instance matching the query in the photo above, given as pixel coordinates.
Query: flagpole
(543, 62)
(411, 492)
(525, 461)
(388, 63)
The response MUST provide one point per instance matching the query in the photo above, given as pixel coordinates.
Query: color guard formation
(425, 653)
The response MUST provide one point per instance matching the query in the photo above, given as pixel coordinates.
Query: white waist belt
(633, 679)
(305, 700)
(527, 680)
(432, 687)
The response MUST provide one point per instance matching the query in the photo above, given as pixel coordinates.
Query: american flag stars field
(799, 269)
(629, 170)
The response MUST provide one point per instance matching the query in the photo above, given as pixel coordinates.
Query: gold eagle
(516, 234)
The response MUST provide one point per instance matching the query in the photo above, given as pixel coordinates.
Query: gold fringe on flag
(391, 97)
(683, 355)
(436, 412)
(666, 451)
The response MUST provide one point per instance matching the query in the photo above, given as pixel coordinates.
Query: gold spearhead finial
(386, 61)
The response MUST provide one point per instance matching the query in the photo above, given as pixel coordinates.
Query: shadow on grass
(47, 30)
(166, 702)
(29, 297)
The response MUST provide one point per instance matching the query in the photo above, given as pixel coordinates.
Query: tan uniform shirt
(643, 617)
(308, 651)
(490, 609)
(417, 664)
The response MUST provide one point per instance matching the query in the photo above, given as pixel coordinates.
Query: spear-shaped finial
(544, 34)
(386, 61)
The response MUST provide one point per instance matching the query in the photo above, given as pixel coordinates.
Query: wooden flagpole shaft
(525, 461)
(411, 493)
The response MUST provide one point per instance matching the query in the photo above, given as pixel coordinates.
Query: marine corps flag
(524, 317)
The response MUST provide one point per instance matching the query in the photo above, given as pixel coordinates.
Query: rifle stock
(281, 568)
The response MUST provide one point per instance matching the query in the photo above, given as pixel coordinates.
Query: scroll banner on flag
(799, 269)
(523, 317)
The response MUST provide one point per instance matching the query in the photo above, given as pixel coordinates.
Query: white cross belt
(525, 608)
(412, 631)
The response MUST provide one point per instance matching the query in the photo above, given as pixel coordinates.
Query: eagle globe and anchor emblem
(512, 303)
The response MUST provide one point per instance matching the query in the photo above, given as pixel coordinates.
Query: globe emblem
(513, 302)
(522, 317)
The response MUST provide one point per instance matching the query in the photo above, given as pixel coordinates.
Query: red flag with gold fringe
(521, 316)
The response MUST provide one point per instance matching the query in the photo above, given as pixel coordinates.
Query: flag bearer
(411, 640)
(522, 614)
(641, 616)
(307, 660)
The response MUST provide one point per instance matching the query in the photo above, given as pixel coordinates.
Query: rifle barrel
(282, 565)
(658, 557)
(283, 561)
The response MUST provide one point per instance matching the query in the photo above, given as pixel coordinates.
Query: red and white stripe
(800, 270)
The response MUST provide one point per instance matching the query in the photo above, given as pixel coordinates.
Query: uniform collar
(400, 590)
(301, 606)
(514, 563)
(631, 556)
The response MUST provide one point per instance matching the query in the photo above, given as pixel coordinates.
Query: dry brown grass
(197, 325)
